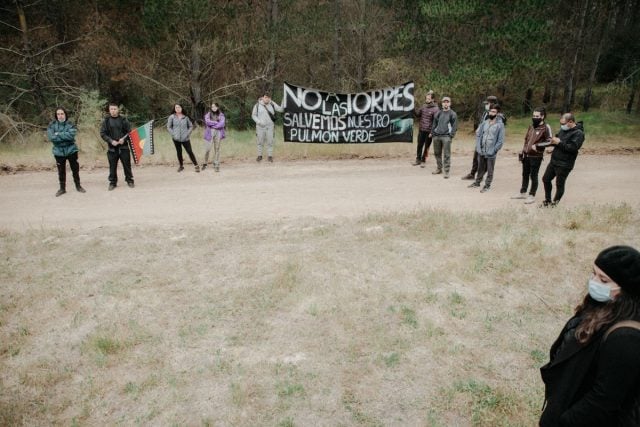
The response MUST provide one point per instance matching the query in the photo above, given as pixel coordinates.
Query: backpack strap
(624, 324)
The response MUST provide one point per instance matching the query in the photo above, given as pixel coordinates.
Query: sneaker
(131, 184)
(468, 177)
(416, 163)
(530, 199)
(112, 187)
(485, 189)
(473, 185)
(198, 168)
(520, 196)
(270, 159)
(80, 189)
(446, 175)
(436, 172)
(259, 159)
(60, 192)
(204, 166)
(181, 168)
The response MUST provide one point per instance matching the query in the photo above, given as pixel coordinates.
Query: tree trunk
(337, 41)
(546, 96)
(31, 67)
(195, 84)
(632, 95)
(526, 106)
(569, 83)
(272, 29)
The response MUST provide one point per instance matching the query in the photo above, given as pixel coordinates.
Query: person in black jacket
(113, 131)
(593, 375)
(565, 151)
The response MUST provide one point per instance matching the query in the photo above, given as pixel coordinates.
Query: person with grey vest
(489, 140)
(264, 114)
(180, 127)
(445, 125)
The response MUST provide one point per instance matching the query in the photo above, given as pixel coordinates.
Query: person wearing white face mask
(566, 145)
(593, 376)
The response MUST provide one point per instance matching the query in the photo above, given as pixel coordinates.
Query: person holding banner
(214, 122)
(62, 134)
(425, 113)
(114, 131)
(180, 127)
(445, 125)
(264, 114)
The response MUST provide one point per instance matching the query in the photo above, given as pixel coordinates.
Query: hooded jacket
(63, 137)
(566, 151)
(490, 138)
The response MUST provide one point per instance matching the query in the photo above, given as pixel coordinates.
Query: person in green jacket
(62, 133)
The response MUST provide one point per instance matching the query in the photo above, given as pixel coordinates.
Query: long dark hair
(55, 114)
(596, 315)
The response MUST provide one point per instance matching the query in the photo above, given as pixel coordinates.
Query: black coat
(597, 384)
(566, 151)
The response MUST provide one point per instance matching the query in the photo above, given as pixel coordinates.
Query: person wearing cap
(593, 376)
(425, 113)
(445, 125)
(488, 102)
(264, 114)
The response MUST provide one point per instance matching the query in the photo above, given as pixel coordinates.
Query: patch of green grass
(539, 357)
(287, 389)
(409, 317)
(489, 406)
(390, 360)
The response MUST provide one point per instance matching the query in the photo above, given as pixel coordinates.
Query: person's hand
(121, 141)
(114, 142)
(555, 140)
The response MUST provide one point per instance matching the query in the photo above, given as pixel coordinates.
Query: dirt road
(285, 190)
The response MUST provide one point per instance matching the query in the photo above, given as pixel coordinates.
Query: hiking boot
(80, 189)
(446, 175)
(204, 166)
(197, 168)
(545, 204)
(131, 184)
(270, 159)
(416, 163)
(530, 199)
(473, 185)
(112, 187)
(485, 189)
(468, 177)
(259, 159)
(520, 196)
(181, 168)
(436, 172)
(60, 192)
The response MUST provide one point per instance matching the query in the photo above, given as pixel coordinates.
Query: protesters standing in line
(489, 140)
(214, 122)
(425, 113)
(180, 127)
(114, 131)
(566, 145)
(445, 125)
(264, 114)
(538, 136)
(62, 134)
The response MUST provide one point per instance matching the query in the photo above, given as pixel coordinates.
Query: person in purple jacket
(213, 135)
(425, 113)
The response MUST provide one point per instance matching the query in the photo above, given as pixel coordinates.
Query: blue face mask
(564, 127)
(598, 291)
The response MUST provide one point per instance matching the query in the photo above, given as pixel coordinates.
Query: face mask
(564, 127)
(536, 121)
(598, 291)
(491, 116)
(486, 107)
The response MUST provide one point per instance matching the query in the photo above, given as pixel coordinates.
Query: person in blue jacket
(62, 133)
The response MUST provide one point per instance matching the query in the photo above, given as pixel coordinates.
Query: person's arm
(500, 137)
(254, 114)
(189, 128)
(454, 124)
(573, 144)
(277, 108)
(170, 124)
(104, 132)
(617, 377)
(52, 134)
(220, 123)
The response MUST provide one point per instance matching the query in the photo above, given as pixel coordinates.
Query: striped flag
(141, 141)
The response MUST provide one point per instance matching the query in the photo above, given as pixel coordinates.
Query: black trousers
(187, 147)
(560, 174)
(474, 163)
(485, 165)
(530, 170)
(424, 142)
(125, 157)
(61, 164)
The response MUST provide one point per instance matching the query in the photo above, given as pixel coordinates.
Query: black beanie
(622, 265)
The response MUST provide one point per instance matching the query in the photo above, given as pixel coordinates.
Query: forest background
(146, 55)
